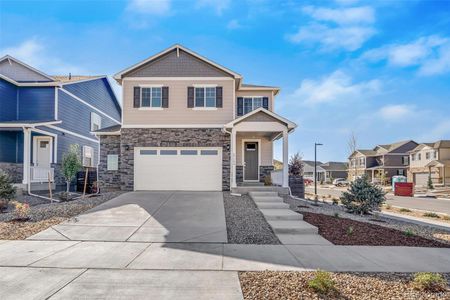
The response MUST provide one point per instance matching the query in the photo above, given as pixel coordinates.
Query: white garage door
(421, 179)
(182, 169)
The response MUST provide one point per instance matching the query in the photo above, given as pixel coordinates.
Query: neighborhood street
(427, 204)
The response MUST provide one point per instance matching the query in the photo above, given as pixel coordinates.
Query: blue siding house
(42, 115)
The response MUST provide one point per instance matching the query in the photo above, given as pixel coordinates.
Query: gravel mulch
(294, 285)
(342, 231)
(245, 222)
(21, 230)
(47, 214)
(424, 231)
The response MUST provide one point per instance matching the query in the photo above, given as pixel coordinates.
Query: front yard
(43, 214)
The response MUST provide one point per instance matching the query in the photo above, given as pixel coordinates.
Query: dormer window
(205, 97)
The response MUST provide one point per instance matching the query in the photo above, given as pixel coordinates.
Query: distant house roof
(75, 78)
(442, 144)
(111, 130)
(393, 146)
(435, 145)
(311, 162)
(334, 166)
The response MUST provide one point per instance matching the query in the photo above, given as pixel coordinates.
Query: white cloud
(431, 54)
(218, 5)
(440, 131)
(352, 15)
(334, 88)
(396, 112)
(34, 53)
(150, 7)
(340, 28)
(234, 24)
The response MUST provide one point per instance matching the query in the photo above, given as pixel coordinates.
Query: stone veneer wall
(14, 170)
(170, 137)
(109, 180)
(263, 172)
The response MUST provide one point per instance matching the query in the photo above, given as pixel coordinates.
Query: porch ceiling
(257, 134)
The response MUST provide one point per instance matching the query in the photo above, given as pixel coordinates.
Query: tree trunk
(67, 186)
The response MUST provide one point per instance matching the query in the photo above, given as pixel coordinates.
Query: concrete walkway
(148, 217)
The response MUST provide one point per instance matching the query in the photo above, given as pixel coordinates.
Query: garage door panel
(421, 179)
(178, 172)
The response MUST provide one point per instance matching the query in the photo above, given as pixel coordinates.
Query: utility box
(405, 189)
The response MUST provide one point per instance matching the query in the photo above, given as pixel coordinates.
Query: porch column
(233, 158)
(285, 159)
(26, 155)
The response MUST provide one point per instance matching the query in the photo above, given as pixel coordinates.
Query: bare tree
(352, 144)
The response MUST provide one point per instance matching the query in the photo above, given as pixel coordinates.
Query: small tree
(296, 165)
(7, 190)
(363, 197)
(430, 183)
(71, 164)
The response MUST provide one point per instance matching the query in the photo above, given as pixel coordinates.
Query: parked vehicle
(307, 181)
(340, 182)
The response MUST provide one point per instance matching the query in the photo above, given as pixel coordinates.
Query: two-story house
(326, 172)
(430, 160)
(42, 115)
(382, 161)
(189, 123)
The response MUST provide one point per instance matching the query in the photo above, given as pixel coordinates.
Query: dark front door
(251, 161)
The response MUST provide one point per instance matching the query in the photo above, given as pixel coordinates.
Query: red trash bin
(405, 189)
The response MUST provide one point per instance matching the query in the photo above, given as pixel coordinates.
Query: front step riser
(272, 205)
(284, 218)
(267, 199)
(263, 194)
(296, 230)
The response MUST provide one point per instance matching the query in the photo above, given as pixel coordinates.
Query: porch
(439, 170)
(27, 152)
(252, 137)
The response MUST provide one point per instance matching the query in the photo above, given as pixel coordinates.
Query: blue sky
(379, 70)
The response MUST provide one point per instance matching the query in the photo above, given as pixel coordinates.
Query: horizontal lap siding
(257, 94)
(98, 94)
(8, 101)
(266, 150)
(177, 112)
(36, 103)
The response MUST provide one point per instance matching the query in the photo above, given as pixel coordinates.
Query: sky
(377, 69)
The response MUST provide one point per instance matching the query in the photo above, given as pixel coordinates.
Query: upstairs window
(151, 97)
(96, 121)
(205, 97)
(252, 103)
(413, 157)
(405, 160)
(435, 154)
(419, 156)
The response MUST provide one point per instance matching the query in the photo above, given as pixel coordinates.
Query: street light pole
(315, 168)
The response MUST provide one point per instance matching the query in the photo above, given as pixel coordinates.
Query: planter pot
(297, 186)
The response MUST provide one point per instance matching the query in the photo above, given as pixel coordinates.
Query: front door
(251, 161)
(43, 151)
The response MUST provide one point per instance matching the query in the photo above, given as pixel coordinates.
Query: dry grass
(418, 214)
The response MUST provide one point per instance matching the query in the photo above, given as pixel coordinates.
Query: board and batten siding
(8, 101)
(98, 94)
(256, 94)
(76, 116)
(177, 113)
(266, 148)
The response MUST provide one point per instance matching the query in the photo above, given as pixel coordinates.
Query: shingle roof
(367, 152)
(393, 146)
(114, 128)
(258, 86)
(442, 144)
(334, 166)
(72, 78)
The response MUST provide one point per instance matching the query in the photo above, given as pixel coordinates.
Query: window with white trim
(88, 156)
(205, 97)
(151, 97)
(96, 121)
(252, 103)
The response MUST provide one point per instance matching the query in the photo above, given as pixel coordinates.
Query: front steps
(248, 189)
(288, 225)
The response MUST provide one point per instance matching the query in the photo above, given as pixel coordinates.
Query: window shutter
(165, 97)
(240, 106)
(190, 96)
(137, 97)
(219, 96)
(266, 103)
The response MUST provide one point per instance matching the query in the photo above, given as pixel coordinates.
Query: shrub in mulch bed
(294, 285)
(341, 231)
(14, 230)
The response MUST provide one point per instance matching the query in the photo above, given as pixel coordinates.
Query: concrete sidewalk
(218, 257)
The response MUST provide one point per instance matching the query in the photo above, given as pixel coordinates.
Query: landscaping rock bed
(294, 285)
(428, 232)
(44, 215)
(342, 231)
(245, 223)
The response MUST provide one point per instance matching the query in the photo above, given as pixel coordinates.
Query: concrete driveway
(148, 217)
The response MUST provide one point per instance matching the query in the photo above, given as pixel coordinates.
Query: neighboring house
(430, 159)
(190, 124)
(42, 115)
(382, 161)
(326, 172)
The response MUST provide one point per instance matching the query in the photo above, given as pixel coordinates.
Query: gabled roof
(393, 146)
(442, 144)
(254, 87)
(111, 130)
(9, 57)
(334, 166)
(289, 124)
(177, 47)
(76, 78)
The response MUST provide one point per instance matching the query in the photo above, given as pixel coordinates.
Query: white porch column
(233, 158)
(285, 159)
(26, 155)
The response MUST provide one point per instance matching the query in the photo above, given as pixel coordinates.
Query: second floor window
(405, 160)
(151, 97)
(96, 121)
(205, 97)
(435, 154)
(252, 103)
(419, 156)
